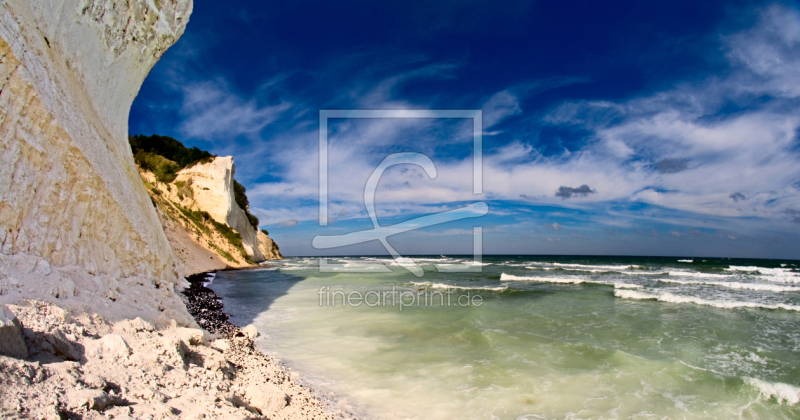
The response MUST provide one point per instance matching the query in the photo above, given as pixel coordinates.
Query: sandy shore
(80, 365)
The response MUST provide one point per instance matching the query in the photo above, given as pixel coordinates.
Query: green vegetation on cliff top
(165, 156)
(169, 148)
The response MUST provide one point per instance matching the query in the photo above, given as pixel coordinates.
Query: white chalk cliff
(212, 185)
(198, 244)
(75, 219)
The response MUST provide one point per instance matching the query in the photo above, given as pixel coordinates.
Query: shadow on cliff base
(247, 293)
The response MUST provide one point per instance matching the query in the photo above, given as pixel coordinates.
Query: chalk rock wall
(268, 247)
(197, 244)
(69, 190)
(70, 194)
(212, 185)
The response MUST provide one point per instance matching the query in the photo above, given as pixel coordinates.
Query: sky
(608, 128)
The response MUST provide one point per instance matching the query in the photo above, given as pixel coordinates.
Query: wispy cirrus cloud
(212, 111)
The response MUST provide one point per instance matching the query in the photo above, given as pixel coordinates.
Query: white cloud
(771, 50)
(214, 112)
(503, 104)
(750, 152)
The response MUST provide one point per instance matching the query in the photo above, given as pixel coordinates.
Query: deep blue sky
(680, 119)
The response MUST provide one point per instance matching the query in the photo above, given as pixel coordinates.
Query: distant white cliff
(212, 186)
(204, 223)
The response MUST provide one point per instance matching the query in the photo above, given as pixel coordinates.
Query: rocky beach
(68, 364)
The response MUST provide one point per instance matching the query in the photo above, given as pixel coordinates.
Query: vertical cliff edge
(205, 223)
(76, 220)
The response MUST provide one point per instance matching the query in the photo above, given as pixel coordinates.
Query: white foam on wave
(780, 391)
(590, 267)
(736, 285)
(453, 286)
(462, 264)
(298, 264)
(209, 277)
(698, 274)
(565, 280)
(775, 275)
(627, 286)
(634, 272)
(476, 263)
(686, 261)
(764, 270)
(568, 280)
(408, 260)
(586, 270)
(748, 268)
(559, 280)
(645, 273)
(510, 264)
(580, 267)
(724, 304)
(265, 267)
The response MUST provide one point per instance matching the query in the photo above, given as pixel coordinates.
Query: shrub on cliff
(169, 148)
(241, 199)
(164, 169)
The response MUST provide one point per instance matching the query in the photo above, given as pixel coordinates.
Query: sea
(532, 337)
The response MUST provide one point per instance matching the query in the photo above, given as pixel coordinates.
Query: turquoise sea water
(546, 338)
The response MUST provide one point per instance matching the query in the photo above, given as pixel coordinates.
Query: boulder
(63, 346)
(214, 360)
(267, 398)
(250, 332)
(221, 345)
(93, 399)
(111, 346)
(191, 336)
(175, 346)
(132, 326)
(43, 267)
(94, 381)
(11, 341)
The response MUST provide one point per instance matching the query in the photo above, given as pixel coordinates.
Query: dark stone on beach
(206, 306)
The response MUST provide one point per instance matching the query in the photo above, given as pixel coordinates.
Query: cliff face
(200, 205)
(70, 194)
(212, 185)
(268, 247)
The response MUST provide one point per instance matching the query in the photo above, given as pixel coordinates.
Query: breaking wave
(780, 391)
(724, 304)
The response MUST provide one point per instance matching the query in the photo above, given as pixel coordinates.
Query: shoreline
(207, 309)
